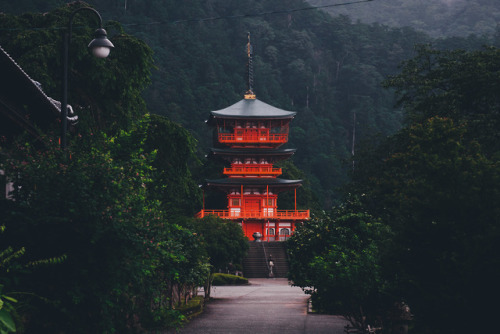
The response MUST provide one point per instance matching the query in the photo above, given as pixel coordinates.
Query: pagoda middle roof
(247, 181)
(252, 108)
(253, 152)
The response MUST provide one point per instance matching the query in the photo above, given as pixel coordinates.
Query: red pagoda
(249, 136)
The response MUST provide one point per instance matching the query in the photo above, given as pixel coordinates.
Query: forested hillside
(328, 69)
(439, 18)
(100, 236)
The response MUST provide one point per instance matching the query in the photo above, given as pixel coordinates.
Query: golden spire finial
(249, 94)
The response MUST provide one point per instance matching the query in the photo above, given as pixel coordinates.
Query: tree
(224, 243)
(438, 192)
(336, 257)
(91, 206)
(461, 85)
(175, 157)
(105, 93)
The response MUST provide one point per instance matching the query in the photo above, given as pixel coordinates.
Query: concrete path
(264, 306)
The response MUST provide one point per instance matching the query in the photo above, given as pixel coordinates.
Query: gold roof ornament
(249, 94)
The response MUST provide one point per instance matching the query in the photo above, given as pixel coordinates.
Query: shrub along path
(263, 306)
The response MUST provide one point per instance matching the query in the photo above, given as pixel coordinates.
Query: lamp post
(100, 47)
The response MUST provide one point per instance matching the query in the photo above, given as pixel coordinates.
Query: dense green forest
(418, 225)
(327, 69)
(440, 18)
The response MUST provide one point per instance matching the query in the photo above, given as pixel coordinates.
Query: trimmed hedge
(227, 279)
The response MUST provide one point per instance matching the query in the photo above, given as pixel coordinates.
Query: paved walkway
(264, 306)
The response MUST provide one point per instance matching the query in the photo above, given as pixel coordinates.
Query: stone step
(255, 265)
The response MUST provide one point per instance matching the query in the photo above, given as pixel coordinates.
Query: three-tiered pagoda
(249, 136)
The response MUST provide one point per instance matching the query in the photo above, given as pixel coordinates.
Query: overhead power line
(222, 17)
(283, 11)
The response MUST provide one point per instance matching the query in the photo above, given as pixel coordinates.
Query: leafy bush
(227, 279)
(336, 258)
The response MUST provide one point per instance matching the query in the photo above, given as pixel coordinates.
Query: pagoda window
(285, 231)
(270, 231)
(284, 234)
(234, 212)
(268, 207)
(235, 202)
(268, 212)
(268, 201)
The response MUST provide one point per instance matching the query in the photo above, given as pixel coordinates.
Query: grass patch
(193, 307)
(227, 279)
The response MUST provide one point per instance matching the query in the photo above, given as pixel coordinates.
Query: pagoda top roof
(252, 108)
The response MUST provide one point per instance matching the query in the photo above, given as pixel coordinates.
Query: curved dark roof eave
(273, 183)
(251, 109)
(253, 152)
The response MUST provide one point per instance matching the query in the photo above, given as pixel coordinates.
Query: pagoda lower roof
(252, 152)
(275, 183)
(252, 108)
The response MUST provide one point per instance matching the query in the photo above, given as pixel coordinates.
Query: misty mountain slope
(438, 18)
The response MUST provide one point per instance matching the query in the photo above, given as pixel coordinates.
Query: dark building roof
(23, 104)
(276, 184)
(275, 155)
(252, 108)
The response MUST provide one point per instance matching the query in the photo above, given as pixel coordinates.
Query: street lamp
(100, 47)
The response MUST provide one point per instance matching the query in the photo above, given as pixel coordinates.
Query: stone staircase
(255, 264)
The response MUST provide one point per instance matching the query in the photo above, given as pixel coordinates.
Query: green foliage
(105, 93)
(175, 157)
(193, 307)
(328, 69)
(223, 240)
(436, 184)
(7, 323)
(306, 62)
(461, 85)
(227, 279)
(99, 210)
(306, 198)
(439, 193)
(105, 209)
(337, 257)
(91, 207)
(437, 18)
(7, 309)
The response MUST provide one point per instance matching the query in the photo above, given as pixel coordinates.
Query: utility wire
(284, 11)
(215, 18)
